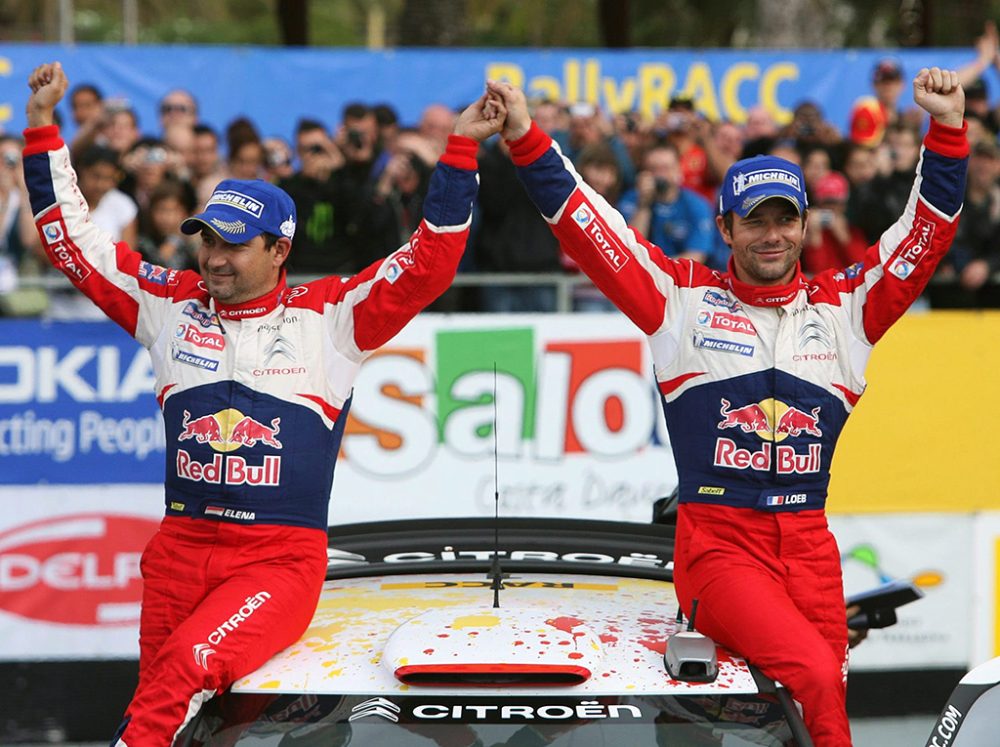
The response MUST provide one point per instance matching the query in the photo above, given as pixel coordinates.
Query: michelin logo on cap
(743, 181)
(239, 201)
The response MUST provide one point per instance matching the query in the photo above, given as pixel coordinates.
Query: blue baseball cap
(240, 209)
(751, 181)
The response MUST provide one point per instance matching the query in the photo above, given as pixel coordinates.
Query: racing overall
(756, 384)
(255, 399)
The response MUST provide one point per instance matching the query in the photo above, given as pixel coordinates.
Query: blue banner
(275, 86)
(76, 406)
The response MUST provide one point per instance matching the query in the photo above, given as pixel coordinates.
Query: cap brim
(788, 198)
(232, 232)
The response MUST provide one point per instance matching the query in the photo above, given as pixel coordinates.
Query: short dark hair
(85, 88)
(385, 115)
(205, 129)
(355, 110)
(308, 125)
(270, 240)
(174, 189)
(96, 154)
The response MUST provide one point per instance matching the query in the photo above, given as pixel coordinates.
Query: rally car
(969, 718)
(573, 638)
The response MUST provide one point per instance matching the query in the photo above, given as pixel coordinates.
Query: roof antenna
(495, 571)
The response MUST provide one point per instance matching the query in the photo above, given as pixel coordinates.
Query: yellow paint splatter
(270, 685)
(475, 621)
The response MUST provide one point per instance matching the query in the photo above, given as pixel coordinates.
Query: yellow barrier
(926, 434)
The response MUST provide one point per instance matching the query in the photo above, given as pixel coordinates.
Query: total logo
(225, 431)
(772, 421)
(200, 338)
(728, 322)
(608, 245)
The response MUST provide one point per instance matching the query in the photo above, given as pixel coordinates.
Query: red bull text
(787, 460)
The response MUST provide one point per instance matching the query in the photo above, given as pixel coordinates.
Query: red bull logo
(225, 431)
(771, 420)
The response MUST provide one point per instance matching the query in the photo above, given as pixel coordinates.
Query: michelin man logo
(288, 227)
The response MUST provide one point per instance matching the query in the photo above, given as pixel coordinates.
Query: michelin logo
(725, 346)
(744, 181)
(239, 201)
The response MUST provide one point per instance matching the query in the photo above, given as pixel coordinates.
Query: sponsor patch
(176, 506)
(733, 323)
(745, 180)
(718, 298)
(608, 245)
(724, 346)
(287, 227)
(53, 233)
(917, 242)
(704, 318)
(195, 360)
(156, 274)
(711, 490)
(199, 338)
(393, 272)
(901, 269)
(203, 317)
(239, 201)
(583, 216)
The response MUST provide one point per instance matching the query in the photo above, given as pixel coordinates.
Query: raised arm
(633, 273)
(370, 308)
(131, 292)
(897, 269)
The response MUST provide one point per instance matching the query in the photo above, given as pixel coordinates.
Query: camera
(661, 185)
(355, 139)
(117, 104)
(10, 159)
(824, 218)
(156, 155)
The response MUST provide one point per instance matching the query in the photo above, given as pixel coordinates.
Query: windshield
(380, 721)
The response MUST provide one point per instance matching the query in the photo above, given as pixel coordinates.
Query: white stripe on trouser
(197, 701)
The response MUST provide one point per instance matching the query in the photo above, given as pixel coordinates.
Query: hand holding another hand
(482, 119)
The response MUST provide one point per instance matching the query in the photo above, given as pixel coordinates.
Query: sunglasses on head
(167, 108)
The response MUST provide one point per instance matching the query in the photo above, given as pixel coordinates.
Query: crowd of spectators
(359, 187)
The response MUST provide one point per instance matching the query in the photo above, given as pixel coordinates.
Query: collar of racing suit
(766, 295)
(255, 307)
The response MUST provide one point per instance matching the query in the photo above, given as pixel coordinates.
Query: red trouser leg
(220, 601)
(768, 588)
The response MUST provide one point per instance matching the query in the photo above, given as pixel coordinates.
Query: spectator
(85, 103)
(860, 169)
(146, 166)
(178, 107)
(809, 128)
(723, 146)
(680, 124)
(675, 218)
(110, 209)
(121, 126)
(277, 159)
(436, 124)
(635, 133)
(871, 115)
(18, 238)
(890, 190)
(587, 126)
(977, 102)
(815, 166)
(315, 189)
(831, 242)
(510, 236)
(170, 204)
(402, 187)
(599, 168)
(553, 117)
(357, 139)
(246, 160)
(975, 253)
(206, 163)
(759, 124)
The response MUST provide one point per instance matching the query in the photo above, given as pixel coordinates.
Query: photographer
(831, 241)
(675, 218)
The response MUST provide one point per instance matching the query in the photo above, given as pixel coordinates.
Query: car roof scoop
(488, 647)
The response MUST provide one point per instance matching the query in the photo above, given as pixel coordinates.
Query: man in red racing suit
(249, 373)
(758, 369)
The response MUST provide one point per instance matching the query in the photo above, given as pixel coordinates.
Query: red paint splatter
(608, 638)
(442, 635)
(652, 621)
(428, 651)
(518, 643)
(563, 643)
(659, 645)
(546, 643)
(565, 624)
(576, 655)
(606, 674)
(473, 632)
